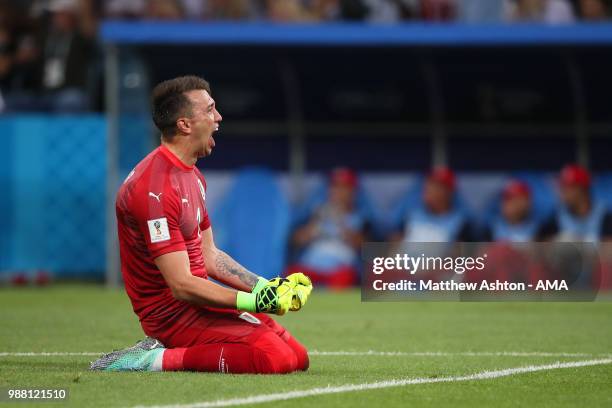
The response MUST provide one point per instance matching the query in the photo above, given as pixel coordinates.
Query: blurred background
(345, 121)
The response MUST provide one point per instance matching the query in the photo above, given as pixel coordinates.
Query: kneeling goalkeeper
(168, 254)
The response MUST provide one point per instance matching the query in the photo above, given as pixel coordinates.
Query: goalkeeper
(168, 253)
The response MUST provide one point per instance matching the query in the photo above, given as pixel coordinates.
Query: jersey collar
(175, 160)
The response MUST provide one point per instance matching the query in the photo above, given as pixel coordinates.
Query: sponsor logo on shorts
(223, 367)
(249, 318)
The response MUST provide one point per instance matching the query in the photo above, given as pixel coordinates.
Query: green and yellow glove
(266, 297)
(300, 285)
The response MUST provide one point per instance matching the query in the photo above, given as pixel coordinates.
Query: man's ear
(183, 125)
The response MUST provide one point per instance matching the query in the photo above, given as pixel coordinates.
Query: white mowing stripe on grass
(356, 353)
(484, 375)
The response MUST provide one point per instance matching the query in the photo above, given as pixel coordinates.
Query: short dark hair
(169, 102)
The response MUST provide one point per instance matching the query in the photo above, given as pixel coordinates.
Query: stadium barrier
(53, 175)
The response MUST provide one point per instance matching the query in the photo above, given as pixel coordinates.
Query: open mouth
(211, 139)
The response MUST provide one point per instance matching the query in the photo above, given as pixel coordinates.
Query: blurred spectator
(515, 222)
(6, 61)
(579, 217)
(330, 241)
(52, 65)
(194, 9)
(438, 10)
(594, 10)
(545, 11)
(481, 11)
(230, 10)
(288, 11)
(155, 9)
(325, 10)
(393, 11)
(438, 218)
(353, 10)
(124, 8)
(381, 11)
(164, 10)
(13, 27)
(66, 52)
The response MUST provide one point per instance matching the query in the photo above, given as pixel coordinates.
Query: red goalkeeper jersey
(161, 208)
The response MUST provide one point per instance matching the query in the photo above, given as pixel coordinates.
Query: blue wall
(52, 178)
(53, 189)
(353, 34)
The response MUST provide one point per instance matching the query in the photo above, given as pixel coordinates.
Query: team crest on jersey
(158, 229)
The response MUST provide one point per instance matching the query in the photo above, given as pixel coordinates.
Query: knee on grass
(274, 356)
(303, 362)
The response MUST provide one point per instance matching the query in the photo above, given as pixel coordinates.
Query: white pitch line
(356, 353)
(451, 354)
(484, 375)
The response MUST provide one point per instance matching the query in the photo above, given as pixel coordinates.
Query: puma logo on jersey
(184, 201)
(155, 196)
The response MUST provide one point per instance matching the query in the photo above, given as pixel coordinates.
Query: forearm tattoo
(229, 269)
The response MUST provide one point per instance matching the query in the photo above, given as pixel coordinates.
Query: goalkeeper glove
(266, 297)
(261, 282)
(301, 286)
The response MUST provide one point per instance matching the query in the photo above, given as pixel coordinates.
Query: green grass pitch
(81, 318)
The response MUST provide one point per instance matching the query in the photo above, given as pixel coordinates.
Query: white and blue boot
(143, 356)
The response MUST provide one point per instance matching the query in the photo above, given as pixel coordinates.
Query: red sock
(267, 355)
(172, 359)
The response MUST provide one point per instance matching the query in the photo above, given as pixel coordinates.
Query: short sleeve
(205, 224)
(158, 215)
